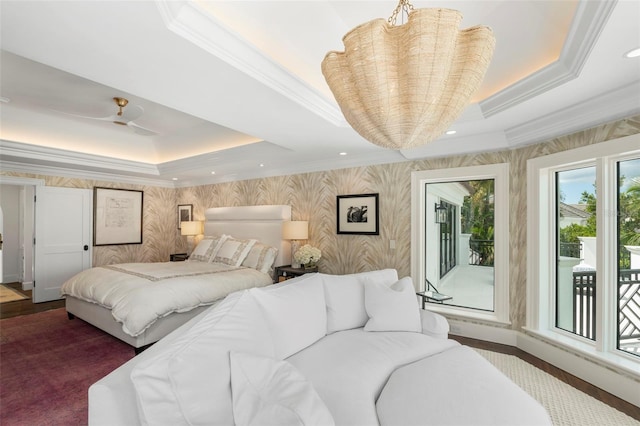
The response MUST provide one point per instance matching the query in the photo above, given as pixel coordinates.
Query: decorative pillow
(207, 248)
(271, 392)
(295, 314)
(344, 296)
(261, 258)
(392, 308)
(190, 382)
(233, 251)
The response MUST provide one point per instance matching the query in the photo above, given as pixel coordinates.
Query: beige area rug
(565, 404)
(7, 294)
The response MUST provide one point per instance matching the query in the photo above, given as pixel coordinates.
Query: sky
(573, 182)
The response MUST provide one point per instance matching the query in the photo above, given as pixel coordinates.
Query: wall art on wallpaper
(185, 214)
(358, 214)
(117, 216)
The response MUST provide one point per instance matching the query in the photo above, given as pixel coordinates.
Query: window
(575, 289)
(583, 283)
(459, 250)
(628, 274)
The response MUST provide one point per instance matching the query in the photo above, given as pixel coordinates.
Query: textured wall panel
(312, 197)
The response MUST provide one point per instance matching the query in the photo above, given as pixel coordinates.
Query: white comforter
(138, 294)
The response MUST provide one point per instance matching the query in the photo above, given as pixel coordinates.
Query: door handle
(86, 247)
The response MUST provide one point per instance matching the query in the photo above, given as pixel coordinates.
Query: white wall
(11, 258)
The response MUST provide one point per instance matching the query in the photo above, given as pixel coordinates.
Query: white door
(1, 231)
(63, 238)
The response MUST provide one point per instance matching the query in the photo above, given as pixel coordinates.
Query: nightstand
(178, 257)
(286, 272)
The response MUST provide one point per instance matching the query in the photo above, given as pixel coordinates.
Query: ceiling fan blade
(109, 118)
(130, 113)
(141, 130)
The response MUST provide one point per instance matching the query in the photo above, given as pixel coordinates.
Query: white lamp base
(295, 245)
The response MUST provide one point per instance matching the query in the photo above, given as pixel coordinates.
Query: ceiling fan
(124, 117)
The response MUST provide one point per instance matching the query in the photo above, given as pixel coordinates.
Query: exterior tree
(478, 219)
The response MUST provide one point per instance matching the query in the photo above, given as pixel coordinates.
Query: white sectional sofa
(315, 350)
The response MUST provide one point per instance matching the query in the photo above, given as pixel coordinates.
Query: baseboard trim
(607, 378)
(27, 285)
(490, 333)
(10, 278)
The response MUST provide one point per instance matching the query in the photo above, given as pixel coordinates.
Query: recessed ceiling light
(450, 132)
(174, 178)
(213, 173)
(633, 53)
(261, 165)
(343, 153)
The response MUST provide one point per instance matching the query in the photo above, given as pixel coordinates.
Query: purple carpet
(47, 363)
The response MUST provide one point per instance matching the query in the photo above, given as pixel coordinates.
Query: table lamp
(191, 229)
(295, 231)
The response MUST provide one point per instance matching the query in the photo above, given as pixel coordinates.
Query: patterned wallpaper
(312, 197)
(159, 230)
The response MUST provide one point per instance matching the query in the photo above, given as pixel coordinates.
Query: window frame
(541, 248)
(499, 172)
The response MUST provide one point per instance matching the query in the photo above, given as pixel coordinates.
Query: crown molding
(610, 106)
(35, 169)
(14, 151)
(18, 180)
(189, 21)
(311, 166)
(588, 23)
(443, 146)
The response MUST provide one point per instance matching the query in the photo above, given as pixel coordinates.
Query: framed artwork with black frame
(358, 214)
(185, 214)
(117, 216)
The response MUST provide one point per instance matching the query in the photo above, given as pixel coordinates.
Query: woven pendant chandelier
(402, 86)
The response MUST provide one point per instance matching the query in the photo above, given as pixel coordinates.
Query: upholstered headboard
(263, 223)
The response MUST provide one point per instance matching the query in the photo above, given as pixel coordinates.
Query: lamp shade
(193, 227)
(295, 230)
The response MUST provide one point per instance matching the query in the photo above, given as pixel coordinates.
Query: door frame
(29, 231)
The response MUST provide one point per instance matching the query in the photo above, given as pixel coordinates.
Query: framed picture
(117, 216)
(358, 214)
(185, 213)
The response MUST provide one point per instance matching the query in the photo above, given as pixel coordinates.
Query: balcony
(584, 307)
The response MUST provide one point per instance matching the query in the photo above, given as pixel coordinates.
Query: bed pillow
(267, 391)
(207, 248)
(261, 257)
(295, 314)
(344, 296)
(233, 251)
(392, 308)
(190, 381)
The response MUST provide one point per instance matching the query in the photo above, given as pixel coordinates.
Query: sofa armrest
(434, 325)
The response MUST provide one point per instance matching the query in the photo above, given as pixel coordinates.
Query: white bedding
(138, 294)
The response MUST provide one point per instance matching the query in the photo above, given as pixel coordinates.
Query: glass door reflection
(459, 245)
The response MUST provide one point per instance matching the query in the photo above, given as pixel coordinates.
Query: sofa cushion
(434, 325)
(392, 307)
(189, 382)
(295, 314)
(344, 296)
(272, 392)
(456, 387)
(349, 368)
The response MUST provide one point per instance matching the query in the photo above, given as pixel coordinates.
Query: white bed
(262, 223)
